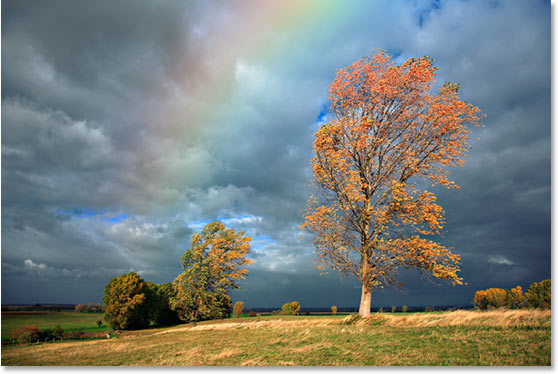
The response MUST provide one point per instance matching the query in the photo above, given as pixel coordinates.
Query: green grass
(69, 321)
(309, 340)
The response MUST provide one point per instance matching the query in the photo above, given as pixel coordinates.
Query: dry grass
(494, 318)
(453, 338)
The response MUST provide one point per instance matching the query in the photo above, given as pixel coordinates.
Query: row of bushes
(537, 296)
(89, 308)
(288, 309)
(32, 334)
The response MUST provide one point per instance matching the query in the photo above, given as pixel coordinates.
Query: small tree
(91, 308)
(290, 309)
(237, 309)
(127, 304)
(515, 298)
(381, 310)
(212, 266)
(80, 308)
(539, 295)
(404, 309)
(393, 309)
(490, 299)
(333, 310)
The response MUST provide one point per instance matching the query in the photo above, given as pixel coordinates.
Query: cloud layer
(126, 127)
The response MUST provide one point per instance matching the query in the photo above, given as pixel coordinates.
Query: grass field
(450, 338)
(69, 321)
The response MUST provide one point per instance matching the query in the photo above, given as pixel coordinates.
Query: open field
(519, 337)
(69, 321)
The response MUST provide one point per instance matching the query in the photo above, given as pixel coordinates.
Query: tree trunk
(365, 301)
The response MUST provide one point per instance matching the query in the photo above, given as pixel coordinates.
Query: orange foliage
(490, 298)
(387, 133)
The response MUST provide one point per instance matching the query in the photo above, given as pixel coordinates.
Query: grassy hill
(519, 337)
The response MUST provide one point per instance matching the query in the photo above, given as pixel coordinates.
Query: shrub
(58, 332)
(381, 310)
(404, 309)
(126, 302)
(393, 309)
(539, 295)
(73, 335)
(99, 323)
(80, 308)
(428, 309)
(26, 334)
(290, 309)
(45, 335)
(490, 299)
(237, 309)
(252, 314)
(333, 309)
(275, 312)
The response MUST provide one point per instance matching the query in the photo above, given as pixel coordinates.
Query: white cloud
(500, 260)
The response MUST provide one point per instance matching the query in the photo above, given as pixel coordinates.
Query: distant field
(69, 321)
(448, 338)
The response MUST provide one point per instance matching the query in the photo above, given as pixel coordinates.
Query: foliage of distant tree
(404, 309)
(387, 134)
(237, 309)
(539, 295)
(290, 309)
(94, 308)
(212, 265)
(80, 308)
(334, 309)
(490, 299)
(126, 301)
(515, 298)
(393, 309)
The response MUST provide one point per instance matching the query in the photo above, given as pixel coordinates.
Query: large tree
(387, 133)
(213, 265)
(127, 302)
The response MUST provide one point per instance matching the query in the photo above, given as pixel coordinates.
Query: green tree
(160, 312)
(212, 265)
(194, 304)
(127, 303)
(539, 295)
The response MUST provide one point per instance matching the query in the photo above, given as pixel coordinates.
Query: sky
(127, 126)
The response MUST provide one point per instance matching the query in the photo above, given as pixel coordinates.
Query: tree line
(538, 296)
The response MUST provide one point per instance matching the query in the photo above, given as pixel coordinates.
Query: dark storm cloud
(151, 113)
